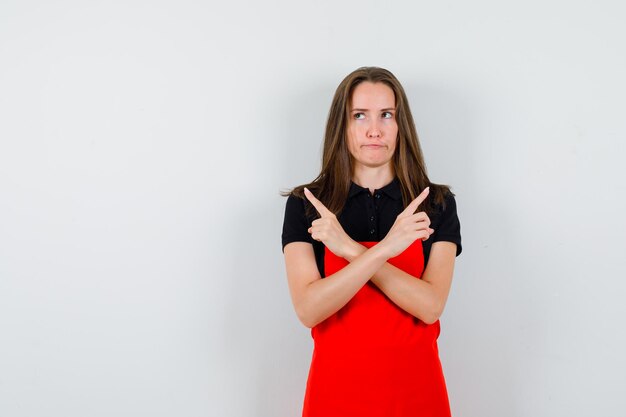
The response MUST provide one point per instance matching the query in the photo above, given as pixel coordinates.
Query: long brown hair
(332, 184)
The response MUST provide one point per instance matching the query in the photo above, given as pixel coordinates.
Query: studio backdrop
(143, 146)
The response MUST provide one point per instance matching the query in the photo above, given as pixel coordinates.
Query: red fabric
(372, 358)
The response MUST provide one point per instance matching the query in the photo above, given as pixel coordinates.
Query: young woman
(367, 271)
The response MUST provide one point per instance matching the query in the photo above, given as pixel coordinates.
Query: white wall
(143, 146)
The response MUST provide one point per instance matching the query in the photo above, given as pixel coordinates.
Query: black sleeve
(447, 226)
(295, 225)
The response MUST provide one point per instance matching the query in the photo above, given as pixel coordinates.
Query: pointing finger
(321, 208)
(413, 205)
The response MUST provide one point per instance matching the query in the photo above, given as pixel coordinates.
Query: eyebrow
(387, 109)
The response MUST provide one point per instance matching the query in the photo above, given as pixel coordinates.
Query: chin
(375, 164)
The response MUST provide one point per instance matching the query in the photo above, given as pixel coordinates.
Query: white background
(143, 146)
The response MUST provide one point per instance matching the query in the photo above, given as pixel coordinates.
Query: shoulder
(442, 200)
(449, 203)
(295, 207)
(293, 201)
(298, 203)
(445, 220)
(295, 223)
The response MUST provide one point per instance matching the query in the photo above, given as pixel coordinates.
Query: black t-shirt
(368, 217)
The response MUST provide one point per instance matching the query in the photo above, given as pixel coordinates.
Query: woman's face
(372, 127)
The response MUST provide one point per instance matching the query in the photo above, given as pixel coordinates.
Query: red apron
(371, 358)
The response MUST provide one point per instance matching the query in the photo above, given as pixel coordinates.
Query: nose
(373, 131)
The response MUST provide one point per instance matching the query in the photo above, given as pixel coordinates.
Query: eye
(359, 116)
(387, 115)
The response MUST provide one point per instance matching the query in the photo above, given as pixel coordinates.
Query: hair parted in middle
(332, 185)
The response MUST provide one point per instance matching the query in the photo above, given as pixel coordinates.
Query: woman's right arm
(316, 299)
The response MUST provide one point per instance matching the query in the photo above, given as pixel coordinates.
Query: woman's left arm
(423, 298)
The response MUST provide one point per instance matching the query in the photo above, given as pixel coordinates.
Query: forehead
(368, 95)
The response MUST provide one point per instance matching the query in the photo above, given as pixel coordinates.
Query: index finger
(413, 205)
(321, 208)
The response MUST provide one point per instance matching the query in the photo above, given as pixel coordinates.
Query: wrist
(380, 251)
(383, 248)
(353, 250)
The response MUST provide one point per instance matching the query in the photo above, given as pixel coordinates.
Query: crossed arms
(316, 299)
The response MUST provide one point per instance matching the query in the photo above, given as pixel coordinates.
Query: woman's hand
(327, 229)
(408, 227)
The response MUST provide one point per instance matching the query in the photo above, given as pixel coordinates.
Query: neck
(373, 178)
